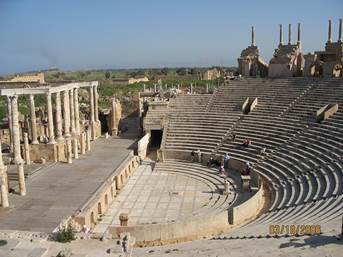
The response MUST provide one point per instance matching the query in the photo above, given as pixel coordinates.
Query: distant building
(138, 79)
(329, 62)
(288, 60)
(211, 74)
(128, 81)
(250, 62)
(37, 78)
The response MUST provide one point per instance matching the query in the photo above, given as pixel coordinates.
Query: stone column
(191, 88)
(143, 87)
(3, 183)
(113, 117)
(155, 88)
(206, 88)
(281, 40)
(340, 31)
(27, 149)
(66, 113)
(72, 113)
(88, 139)
(75, 148)
(289, 34)
(96, 106)
(33, 121)
(59, 117)
(69, 150)
(252, 36)
(50, 120)
(178, 86)
(329, 32)
(16, 145)
(299, 31)
(91, 98)
(9, 115)
(77, 111)
(83, 142)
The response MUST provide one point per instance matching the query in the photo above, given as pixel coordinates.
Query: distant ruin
(250, 62)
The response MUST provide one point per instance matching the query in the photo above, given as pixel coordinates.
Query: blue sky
(75, 34)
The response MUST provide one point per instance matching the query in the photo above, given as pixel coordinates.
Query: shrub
(65, 235)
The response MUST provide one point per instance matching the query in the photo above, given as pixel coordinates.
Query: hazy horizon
(80, 35)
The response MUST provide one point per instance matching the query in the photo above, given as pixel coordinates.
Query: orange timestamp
(275, 229)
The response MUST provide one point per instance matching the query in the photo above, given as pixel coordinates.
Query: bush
(65, 235)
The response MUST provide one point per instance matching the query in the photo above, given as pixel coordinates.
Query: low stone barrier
(143, 145)
(105, 194)
(326, 111)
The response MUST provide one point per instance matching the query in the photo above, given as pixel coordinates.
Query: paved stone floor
(307, 246)
(152, 196)
(59, 190)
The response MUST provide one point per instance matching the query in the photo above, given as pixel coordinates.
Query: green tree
(107, 74)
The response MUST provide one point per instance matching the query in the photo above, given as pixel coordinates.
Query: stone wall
(100, 201)
(143, 144)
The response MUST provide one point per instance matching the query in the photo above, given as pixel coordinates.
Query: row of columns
(71, 114)
(71, 118)
(339, 31)
(289, 34)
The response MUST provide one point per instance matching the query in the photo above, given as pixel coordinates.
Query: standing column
(155, 88)
(91, 98)
(16, 145)
(281, 40)
(3, 183)
(191, 88)
(50, 120)
(9, 115)
(27, 149)
(113, 118)
(96, 107)
(59, 117)
(77, 111)
(340, 31)
(299, 31)
(33, 120)
(88, 139)
(329, 32)
(83, 142)
(289, 34)
(72, 113)
(252, 36)
(69, 150)
(66, 113)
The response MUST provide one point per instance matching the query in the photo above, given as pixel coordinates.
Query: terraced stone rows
(304, 159)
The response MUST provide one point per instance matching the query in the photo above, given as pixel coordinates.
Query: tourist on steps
(226, 160)
(246, 142)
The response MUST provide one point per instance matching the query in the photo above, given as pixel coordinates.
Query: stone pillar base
(49, 152)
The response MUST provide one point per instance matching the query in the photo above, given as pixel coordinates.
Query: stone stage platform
(57, 191)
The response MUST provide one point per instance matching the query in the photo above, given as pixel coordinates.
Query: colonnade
(63, 127)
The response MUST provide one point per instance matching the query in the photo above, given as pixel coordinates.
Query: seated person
(247, 170)
(246, 142)
(221, 169)
(212, 162)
